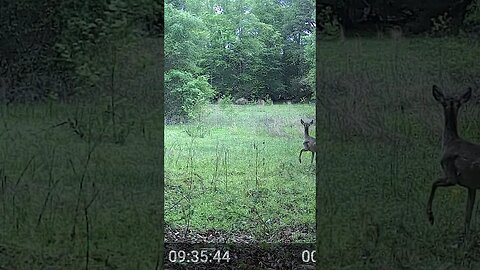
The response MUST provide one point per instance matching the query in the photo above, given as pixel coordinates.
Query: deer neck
(450, 132)
(306, 133)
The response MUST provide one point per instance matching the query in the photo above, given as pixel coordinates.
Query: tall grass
(77, 190)
(382, 132)
(236, 170)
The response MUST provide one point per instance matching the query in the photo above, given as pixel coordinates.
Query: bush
(441, 25)
(185, 94)
(472, 18)
(329, 24)
(225, 101)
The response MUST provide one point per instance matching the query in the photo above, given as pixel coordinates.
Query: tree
(186, 38)
(251, 49)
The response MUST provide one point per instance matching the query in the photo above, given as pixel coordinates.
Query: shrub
(441, 25)
(472, 18)
(225, 100)
(185, 94)
(331, 28)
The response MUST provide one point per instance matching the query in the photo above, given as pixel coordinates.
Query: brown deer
(241, 101)
(460, 159)
(309, 143)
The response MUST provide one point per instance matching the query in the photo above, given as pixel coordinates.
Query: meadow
(235, 171)
(80, 183)
(379, 139)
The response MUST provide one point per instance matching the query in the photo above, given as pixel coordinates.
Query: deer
(460, 159)
(309, 143)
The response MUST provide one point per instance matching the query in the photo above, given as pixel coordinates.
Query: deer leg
(313, 155)
(442, 182)
(300, 156)
(468, 214)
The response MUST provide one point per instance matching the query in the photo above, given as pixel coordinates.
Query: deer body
(460, 159)
(309, 143)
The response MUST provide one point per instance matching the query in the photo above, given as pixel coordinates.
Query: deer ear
(466, 96)
(311, 122)
(437, 94)
(301, 121)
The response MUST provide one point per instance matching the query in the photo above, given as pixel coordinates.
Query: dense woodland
(232, 49)
(59, 50)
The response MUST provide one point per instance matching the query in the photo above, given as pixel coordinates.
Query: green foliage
(310, 53)
(244, 54)
(248, 49)
(472, 17)
(186, 95)
(268, 101)
(225, 101)
(329, 25)
(441, 25)
(86, 46)
(185, 39)
(412, 16)
(72, 45)
(27, 36)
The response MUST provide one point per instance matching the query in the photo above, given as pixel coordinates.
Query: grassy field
(63, 196)
(77, 187)
(237, 171)
(379, 134)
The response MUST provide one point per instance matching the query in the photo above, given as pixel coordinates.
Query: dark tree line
(58, 49)
(412, 16)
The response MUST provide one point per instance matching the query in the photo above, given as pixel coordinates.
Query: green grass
(46, 174)
(380, 151)
(236, 170)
